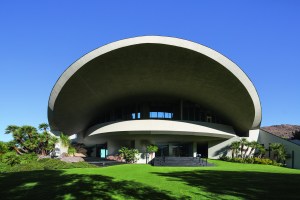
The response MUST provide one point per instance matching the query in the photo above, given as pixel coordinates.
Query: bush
(28, 158)
(4, 167)
(254, 160)
(225, 158)
(130, 155)
(30, 166)
(3, 147)
(71, 151)
(10, 158)
(52, 164)
(152, 148)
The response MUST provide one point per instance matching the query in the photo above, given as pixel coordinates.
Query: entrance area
(101, 150)
(202, 148)
(175, 149)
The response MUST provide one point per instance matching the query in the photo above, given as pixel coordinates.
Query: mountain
(284, 130)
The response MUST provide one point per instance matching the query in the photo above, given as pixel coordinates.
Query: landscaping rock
(42, 157)
(79, 155)
(72, 159)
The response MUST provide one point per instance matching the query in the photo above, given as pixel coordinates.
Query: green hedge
(10, 162)
(253, 160)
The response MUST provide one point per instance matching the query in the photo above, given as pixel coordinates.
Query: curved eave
(165, 127)
(217, 57)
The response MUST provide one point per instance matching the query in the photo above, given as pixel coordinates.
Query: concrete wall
(216, 149)
(266, 138)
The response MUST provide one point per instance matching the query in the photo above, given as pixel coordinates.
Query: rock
(79, 155)
(42, 157)
(72, 159)
(64, 155)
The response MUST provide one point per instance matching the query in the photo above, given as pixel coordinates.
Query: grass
(224, 181)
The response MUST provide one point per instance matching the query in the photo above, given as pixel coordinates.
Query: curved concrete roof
(164, 127)
(151, 66)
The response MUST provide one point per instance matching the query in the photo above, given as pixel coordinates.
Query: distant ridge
(284, 130)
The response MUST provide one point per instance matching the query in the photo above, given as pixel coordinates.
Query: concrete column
(194, 149)
(181, 109)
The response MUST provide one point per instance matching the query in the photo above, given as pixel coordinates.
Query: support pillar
(194, 149)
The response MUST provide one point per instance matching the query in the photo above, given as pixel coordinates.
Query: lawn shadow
(235, 184)
(58, 185)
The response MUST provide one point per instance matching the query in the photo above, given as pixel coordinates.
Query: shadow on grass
(57, 185)
(244, 185)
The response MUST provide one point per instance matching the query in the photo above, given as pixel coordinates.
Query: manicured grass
(224, 181)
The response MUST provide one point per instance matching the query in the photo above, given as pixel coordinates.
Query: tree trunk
(18, 151)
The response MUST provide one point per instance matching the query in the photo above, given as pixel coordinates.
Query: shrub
(130, 155)
(50, 164)
(71, 151)
(4, 167)
(152, 148)
(10, 158)
(225, 158)
(30, 166)
(254, 160)
(27, 158)
(3, 147)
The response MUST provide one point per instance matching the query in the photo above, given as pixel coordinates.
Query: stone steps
(180, 161)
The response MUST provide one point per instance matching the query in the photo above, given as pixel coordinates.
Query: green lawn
(224, 181)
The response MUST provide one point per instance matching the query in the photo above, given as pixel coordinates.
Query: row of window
(154, 115)
(172, 111)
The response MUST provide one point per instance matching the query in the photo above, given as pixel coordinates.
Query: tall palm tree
(44, 126)
(244, 142)
(279, 151)
(235, 147)
(253, 145)
(261, 151)
(11, 129)
(64, 139)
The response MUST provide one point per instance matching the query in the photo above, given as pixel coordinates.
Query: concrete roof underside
(151, 66)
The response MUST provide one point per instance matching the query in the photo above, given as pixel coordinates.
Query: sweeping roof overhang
(147, 66)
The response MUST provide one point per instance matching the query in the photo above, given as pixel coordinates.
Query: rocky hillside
(283, 130)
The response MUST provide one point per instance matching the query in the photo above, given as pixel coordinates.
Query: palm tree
(235, 147)
(261, 151)
(64, 139)
(44, 126)
(253, 145)
(244, 142)
(11, 129)
(279, 151)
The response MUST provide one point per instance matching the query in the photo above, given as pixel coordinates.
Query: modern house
(182, 96)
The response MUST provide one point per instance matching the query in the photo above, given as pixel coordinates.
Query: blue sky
(40, 39)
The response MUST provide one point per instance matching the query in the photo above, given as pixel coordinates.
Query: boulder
(72, 159)
(79, 155)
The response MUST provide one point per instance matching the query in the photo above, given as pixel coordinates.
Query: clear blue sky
(40, 39)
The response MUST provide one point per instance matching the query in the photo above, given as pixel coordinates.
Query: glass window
(160, 115)
(153, 114)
